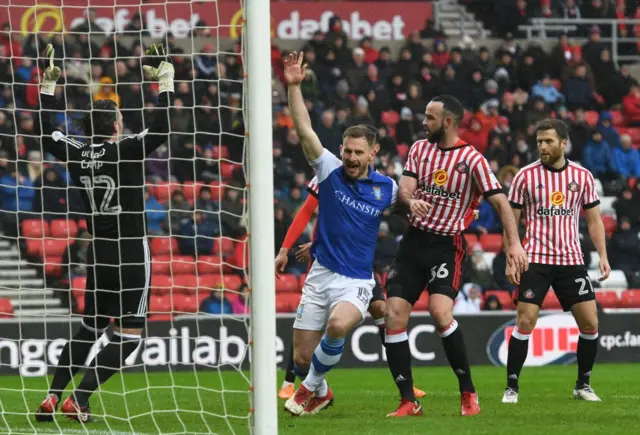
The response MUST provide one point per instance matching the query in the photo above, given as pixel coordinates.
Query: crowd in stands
(195, 190)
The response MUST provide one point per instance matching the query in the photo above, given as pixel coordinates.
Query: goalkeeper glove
(51, 74)
(164, 73)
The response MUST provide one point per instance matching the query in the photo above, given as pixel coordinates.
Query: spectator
(547, 91)
(628, 206)
(239, 305)
(51, 197)
(232, 222)
(216, 303)
(384, 64)
(625, 249)
(468, 300)
(107, 91)
(597, 157)
(578, 90)
(476, 135)
(357, 70)
(492, 303)
(206, 203)
(370, 52)
(479, 271)
(17, 192)
(591, 50)
(570, 10)
(328, 133)
(606, 129)
(626, 158)
(385, 249)
(631, 106)
(196, 235)
(487, 222)
(579, 135)
(180, 210)
(485, 62)
(155, 214)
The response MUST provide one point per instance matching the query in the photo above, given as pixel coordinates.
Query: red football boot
(317, 404)
(469, 404)
(295, 405)
(407, 408)
(73, 411)
(47, 408)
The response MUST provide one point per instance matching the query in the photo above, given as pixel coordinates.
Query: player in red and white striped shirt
(443, 181)
(550, 193)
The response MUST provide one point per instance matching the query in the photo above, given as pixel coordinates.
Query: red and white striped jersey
(551, 200)
(312, 186)
(452, 181)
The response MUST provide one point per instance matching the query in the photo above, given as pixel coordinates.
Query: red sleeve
(300, 221)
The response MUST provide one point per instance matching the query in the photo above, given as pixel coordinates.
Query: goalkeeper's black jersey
(111, 176)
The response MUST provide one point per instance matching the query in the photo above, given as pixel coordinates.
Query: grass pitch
(362, 399)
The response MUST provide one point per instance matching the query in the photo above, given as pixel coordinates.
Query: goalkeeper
(109, 170)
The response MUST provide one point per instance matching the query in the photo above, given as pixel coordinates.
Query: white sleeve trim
(394, 192)
(325, 165)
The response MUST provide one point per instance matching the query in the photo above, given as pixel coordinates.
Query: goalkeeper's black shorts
(118, 281)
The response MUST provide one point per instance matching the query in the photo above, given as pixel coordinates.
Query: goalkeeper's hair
(97, 124)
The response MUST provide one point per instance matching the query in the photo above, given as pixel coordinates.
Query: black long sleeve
(158, 131)
(57, 148)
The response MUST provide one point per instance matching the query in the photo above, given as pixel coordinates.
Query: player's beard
(551, 157)
(437, 136)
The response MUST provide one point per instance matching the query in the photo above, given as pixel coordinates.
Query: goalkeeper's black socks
(72, 359)
(456, 352)
(518, 349)
(290, 374)
(399, 360)
(106, 363)
(586, 353)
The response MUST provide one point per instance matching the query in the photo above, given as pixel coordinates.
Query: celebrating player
(337, 291)
(110, 170)
(376, 306)
(551, 192)
(441, 184)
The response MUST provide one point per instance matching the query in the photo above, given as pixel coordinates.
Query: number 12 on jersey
(103, 184)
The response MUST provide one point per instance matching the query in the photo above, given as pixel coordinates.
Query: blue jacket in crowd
(609, 134)
(16, 197)
(156, 215)
(627, 162)
(598, 158)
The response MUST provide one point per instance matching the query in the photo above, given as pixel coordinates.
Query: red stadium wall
(386, 20)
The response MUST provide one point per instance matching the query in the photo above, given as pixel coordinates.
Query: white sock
(323, 389)
(285, 384)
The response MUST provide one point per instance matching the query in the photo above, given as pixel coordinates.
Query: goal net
(192, 372)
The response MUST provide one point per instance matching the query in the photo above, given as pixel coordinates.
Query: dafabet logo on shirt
(440, 177)
(557, 198)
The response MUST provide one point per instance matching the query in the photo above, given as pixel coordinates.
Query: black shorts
(426, 261)
(570, 283)
(378, 293)
(118, 280)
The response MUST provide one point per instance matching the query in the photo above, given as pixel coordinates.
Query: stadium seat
(159, 304)
(610, 225)
(161, 265)
(616, 280)
(390, 118)
(403, 150)
(35, 228)
(183, 265)
(491, 242)
(617, 118)
(79, 304)
(185, 303)
(304, 276)
(210, 264)
(6, 308)
(630, 299)
(163, 190)
(471, 240)
(82, 224)
(53, 248)
(591, 117)
(217, 191)
(34, 246)
(185, 284)
(231, 282)
(160, 318)
(78, 285)
(63, 228)
(422, 304)
(287, 283)
(551, 301)
(240, 257)
(161, 284)
(503, 296)
(287, 302)
(53, 267)
(223, 246)
(164, 245)
(607, 298)
(191, 190)
(220, 152)
(228, 168)
(227, 281)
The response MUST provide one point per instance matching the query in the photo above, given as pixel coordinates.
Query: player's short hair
(97, 124)
(359, 131)
(451, 106)
(560, 127)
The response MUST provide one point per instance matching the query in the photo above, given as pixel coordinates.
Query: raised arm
(51, 138)
(294, 73)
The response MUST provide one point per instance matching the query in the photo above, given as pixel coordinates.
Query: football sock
(518, 349)
(587, 350)
(381, 330)
(456, 352)
(72, 359)
(399, 360)
(106, 363)
(300, 372)
(325, 357)
(290, 374)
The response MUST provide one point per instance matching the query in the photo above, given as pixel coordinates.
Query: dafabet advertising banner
(382, 20)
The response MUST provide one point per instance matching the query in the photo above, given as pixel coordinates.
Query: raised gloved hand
(164, 72)
(51, 74)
